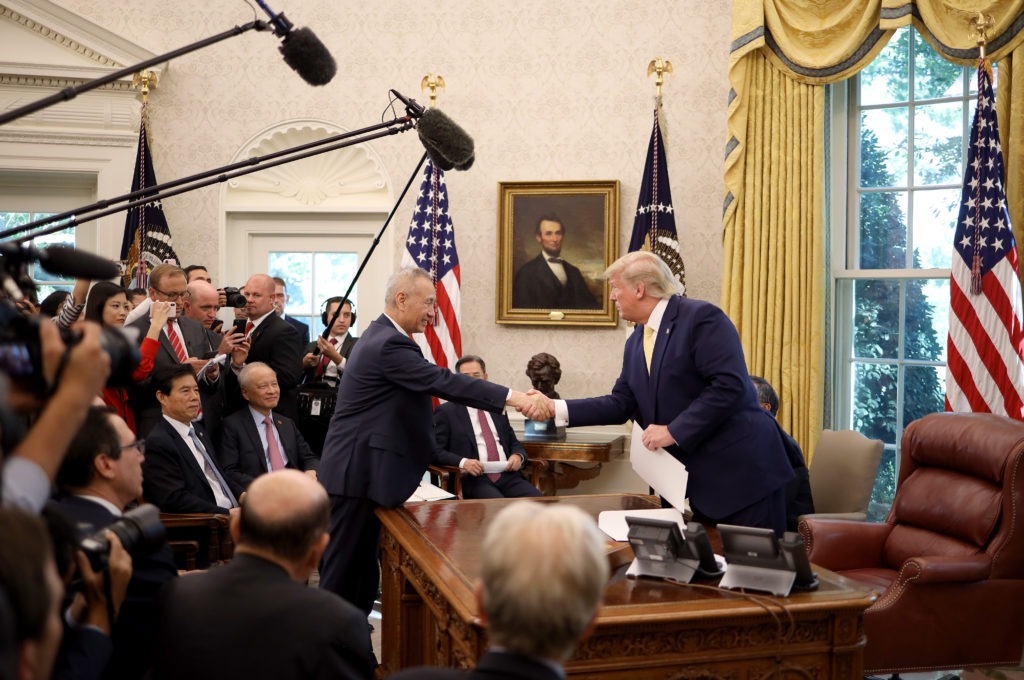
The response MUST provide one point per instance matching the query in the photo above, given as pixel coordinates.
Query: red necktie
(273, 452)
(179, 349)
(324, 360)
(249, 325)
(492, 446)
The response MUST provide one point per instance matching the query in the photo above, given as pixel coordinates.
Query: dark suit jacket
(536, 287)
(275, 343)
(248, 619)
(242, 455)
(134, 633)
(172, 479)
(701, 390)
(493, 665)
(197, 344)
(345, 351)
(456, 439)
(301, 328)
(381, 436)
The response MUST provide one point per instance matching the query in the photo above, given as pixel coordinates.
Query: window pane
(883, 147)
(877, 317)
(935, 213)
(924, 391)
(887, 78)
(927, 320)
(294, 268)
(885, 486)
(883, 230)
(934, 77)
(332, 275)
(938, 143)
(874, 400)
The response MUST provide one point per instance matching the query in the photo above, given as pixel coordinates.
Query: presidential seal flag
(654, 226)
(431, 246)
(985, 350)
(147, 238)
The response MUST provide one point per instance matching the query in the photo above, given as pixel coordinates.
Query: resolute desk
(646, 629)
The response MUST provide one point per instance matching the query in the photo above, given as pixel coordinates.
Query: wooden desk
(561, 471)
(645, 630)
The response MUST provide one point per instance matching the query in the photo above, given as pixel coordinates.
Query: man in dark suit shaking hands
(684, 381)
(257, 440)
(466, 437)
(381, 435)
(533, 629)
(255, 617)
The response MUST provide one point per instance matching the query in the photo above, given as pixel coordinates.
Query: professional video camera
(140, 531)
(234, 297)
(21, 356)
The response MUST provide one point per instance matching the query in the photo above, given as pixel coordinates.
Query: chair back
(843, 472)
(960, 491)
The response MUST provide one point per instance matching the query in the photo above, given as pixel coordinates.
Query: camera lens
(140, 530)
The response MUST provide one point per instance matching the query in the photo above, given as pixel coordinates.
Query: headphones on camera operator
(324, 317)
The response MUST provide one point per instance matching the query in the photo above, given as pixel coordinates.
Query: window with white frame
(900, 131)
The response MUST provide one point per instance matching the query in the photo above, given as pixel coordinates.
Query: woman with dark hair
(107, 304)
(52, 303)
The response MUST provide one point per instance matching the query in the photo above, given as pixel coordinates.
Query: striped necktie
(179, 348)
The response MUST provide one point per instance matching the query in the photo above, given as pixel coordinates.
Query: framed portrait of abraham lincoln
(555, 239)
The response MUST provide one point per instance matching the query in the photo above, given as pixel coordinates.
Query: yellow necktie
(648, 346)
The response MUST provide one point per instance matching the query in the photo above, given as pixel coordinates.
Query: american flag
(147, 239)
(431, 246)
(654, 226)
(985, 351)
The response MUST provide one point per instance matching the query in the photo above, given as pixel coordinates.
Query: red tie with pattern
(179, 348)
(324, 360)
(492, 446)
(273, 452)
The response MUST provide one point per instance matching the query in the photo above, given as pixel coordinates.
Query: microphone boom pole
(69, 93)
(73, 218)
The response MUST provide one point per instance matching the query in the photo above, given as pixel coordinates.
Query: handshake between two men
(533, 404)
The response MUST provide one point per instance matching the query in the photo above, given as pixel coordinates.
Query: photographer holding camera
(100, 477)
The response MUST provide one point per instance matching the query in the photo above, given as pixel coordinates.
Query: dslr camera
(234, 297)
(141, 533)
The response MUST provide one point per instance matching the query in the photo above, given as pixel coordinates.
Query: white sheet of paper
(613, 522)
(660, 469)
(428, 492)
(494, 466)
(219, 359)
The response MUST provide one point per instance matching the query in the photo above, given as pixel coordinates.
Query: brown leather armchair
(949, 559)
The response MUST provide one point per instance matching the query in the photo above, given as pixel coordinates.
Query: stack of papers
(428, 492)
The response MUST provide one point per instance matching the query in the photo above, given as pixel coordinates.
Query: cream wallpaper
(549, 89)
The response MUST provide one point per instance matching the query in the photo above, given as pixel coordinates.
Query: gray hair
(645, 267)
(559, 546)
(402, 281)
(245, 375)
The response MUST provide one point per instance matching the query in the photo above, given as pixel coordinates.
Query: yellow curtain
(773, 222)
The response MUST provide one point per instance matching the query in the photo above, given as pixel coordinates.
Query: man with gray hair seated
(534, 631)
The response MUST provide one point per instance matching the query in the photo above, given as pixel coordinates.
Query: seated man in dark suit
(255, 617)
(256, 440)
(463, 432)
(533, 630)
(798, 490)
(181, 470)
(102, 475)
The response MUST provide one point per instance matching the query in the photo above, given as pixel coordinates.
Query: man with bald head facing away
(684, 381)
(381, 436)
(533, 630)
(255, 617)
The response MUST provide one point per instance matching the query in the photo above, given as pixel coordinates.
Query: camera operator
(100, 477)
(31, 466)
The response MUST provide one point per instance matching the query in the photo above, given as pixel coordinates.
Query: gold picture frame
(568, 291)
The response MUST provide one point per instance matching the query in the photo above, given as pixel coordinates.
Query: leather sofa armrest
(839, 545)
(944, 569)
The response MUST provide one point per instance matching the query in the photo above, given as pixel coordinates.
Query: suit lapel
(249, 425)
(468, 433)
(668, 323)
(186, 453)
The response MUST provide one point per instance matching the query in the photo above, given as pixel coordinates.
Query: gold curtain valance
(826, 41)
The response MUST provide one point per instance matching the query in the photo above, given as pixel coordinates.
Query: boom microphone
(446, 143)
(62, 260)
(302, 50)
